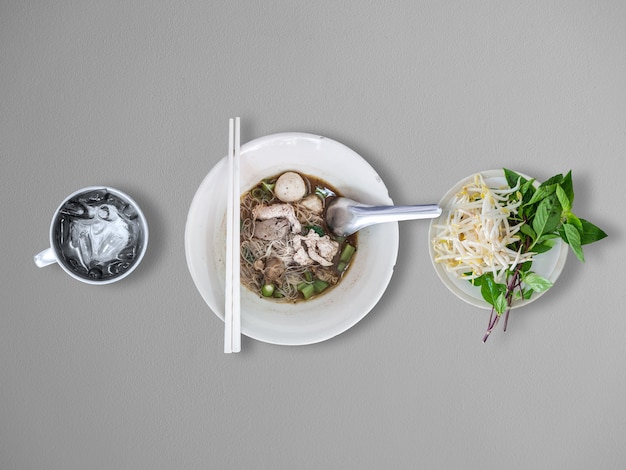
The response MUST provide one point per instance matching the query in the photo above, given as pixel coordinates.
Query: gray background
(136, 95)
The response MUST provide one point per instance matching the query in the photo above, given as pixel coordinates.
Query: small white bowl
(548, 264)
(320, 318)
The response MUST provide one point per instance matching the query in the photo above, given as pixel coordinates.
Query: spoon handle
(369, 215)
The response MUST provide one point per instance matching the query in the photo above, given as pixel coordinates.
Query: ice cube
(75, 209)
(93, 197)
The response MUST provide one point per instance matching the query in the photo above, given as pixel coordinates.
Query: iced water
(99, 234)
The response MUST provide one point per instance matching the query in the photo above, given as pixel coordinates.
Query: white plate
(319, 318)
(548, 264)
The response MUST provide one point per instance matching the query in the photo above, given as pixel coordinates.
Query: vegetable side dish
(490, 236)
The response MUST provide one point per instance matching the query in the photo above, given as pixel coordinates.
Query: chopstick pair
(232, 316)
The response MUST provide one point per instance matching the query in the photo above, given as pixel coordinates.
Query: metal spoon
(345, 216)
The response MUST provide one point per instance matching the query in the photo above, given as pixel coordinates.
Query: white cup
(98, 235)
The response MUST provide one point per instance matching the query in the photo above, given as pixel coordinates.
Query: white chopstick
(232, 317)
(236, 241)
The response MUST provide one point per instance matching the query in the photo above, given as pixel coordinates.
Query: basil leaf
(568, 186)
(575, 221)
(490, 290)
(590, 233)
(528, 191)
(536, 282)
(501, 303)
(511, 177)
(542, 247)
(547, 236)
(574, 240)
(526, 266)
(556, 179)
(541, 193)
(554, 213)
(527, 230)
(541, 219)
(478, 281)
(563, 198)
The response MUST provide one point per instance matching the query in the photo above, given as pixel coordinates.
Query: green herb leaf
(512, 178)
(550, 212)
(590, 233)
(564, 200)
(491, 290)
(542, 247)
(553, 181)
(575, 221)
(555, 214)
(541, 193)
(536, 282)
(547, 236)
(527, 230)
(568, 186)
(574, 240)
(541, 219)
(528, 190)
(526, 266)
(501, 303)
(477, 281)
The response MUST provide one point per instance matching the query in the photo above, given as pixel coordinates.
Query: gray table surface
(136, 95)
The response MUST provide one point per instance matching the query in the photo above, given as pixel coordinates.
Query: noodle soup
(288, 254)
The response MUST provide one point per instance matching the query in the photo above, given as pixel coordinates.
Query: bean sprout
(479, 235)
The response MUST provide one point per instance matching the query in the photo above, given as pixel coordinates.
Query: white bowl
(548, 264)
(320, 318)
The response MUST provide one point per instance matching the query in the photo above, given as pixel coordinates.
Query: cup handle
(45, 258)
